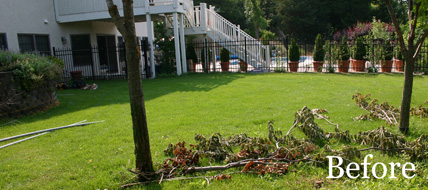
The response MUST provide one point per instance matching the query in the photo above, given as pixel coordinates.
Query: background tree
(232, 10)
(417, 20)
(255, 17)
(303, 19)
(166, 48)
(126, 27)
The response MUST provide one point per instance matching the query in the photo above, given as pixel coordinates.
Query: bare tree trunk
(257, 32)
(126, 27)
(407, 96)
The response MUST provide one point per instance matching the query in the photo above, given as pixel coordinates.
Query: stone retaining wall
(15, 103)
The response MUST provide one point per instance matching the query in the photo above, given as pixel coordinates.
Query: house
(84, 36)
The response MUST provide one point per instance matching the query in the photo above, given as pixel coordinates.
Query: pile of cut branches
(277, 153)
(383, 111)
(419, 110)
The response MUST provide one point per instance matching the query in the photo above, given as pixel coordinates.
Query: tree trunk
(407, 96)
(257, 32)
(143, 158)
(126, 27)
(410, 54)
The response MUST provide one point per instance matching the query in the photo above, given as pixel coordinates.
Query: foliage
(209, 56)
(387, 51)
(277, 153)
(166, 55)
(376, 111)
(344, 49)
(31, 70)
(331, 56)
(308, 125)
(422, 112)
(319, 52)
(359, 51)
(224, 55)
(397, 53)
(255, 16)
(191, 52)
(294, 51)
(382, 31)
(266, 36)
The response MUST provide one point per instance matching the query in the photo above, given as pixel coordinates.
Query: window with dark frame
(81, 50)
(3, 42)
(34, 43)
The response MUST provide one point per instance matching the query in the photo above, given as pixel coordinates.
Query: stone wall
(15, 103)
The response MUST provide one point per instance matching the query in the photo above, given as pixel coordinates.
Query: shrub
(224, 55)
(359, 49)
(29, 70)
(344, 49)
(209, 56)
(387, 51)
(166, 49)
(319, 52)
(191, 52)
(397, 53)
(294, 52)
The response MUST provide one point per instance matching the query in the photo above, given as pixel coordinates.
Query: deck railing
(231, 32)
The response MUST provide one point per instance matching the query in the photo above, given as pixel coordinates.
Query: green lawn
(98, 156)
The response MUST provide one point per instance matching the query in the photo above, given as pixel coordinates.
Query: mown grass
(98, 156)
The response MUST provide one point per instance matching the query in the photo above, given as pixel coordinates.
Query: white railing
(72, 7)
(232, 35)
(190, 13)
(197, 16)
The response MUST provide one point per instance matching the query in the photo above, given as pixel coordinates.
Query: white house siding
(38, 17)
(28, 17)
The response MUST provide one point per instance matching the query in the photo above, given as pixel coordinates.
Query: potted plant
(344, 55)
(319, 54)
(203, 59)
(398, 59)
(243, 65)
(224, 59)
(386, 62)
(359, 54)
(76, 75)
(294, 56)
(192, 58)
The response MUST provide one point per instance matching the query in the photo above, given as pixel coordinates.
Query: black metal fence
(272, 56)
(99, 63)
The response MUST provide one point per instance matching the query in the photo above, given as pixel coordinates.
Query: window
(81, 50)
(3, 42)
(34, 43)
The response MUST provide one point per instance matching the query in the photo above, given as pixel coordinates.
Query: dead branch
(10, 100)
(377, 148)
(245, 162)
(295, 124)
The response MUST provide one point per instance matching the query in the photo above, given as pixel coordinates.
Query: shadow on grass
(111, 92)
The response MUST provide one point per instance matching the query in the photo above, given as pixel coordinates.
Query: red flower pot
(293, 65)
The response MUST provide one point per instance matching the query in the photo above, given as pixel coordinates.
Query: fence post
(126, 63)
(205, 56)
(214, 55)
(92, 62)
(267, 51)
(246, 59)
(144, 47)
